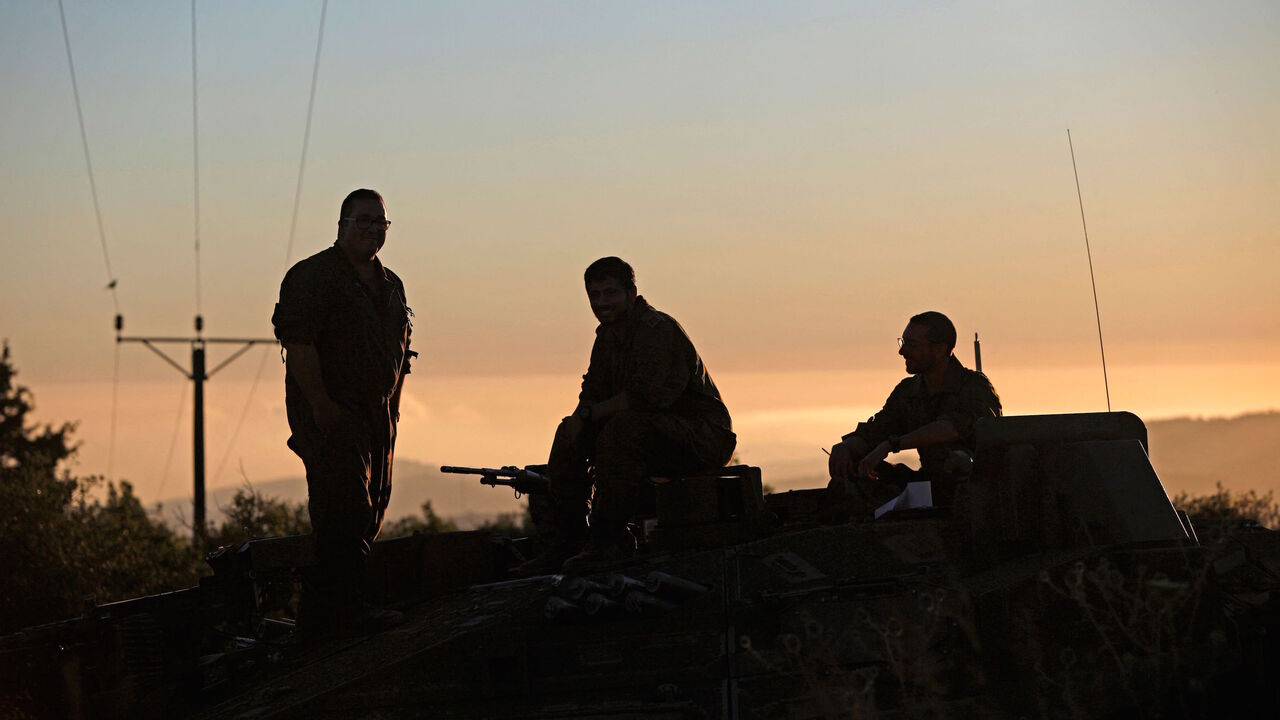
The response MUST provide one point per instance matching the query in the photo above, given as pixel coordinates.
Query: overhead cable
(248, 403)
(306, 133)
(293, 227)
(115, 393)
(195, 152)
(173, 441)
(88, 163)
(102, 234)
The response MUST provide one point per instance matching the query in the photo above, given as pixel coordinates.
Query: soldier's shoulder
(650, 317)
(653, 317)
(318, 263)
(977, 377)
(908, 385)
(393, 277)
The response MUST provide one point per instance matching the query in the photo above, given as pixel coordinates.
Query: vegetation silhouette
(69, 540)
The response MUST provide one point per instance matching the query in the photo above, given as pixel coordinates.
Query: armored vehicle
(1059, 582)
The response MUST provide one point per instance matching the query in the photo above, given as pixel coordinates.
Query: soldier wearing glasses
(933, 411)
(344, 324)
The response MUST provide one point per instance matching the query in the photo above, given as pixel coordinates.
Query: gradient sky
(790, 180)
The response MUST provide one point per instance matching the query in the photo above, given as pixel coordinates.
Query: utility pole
(197, 375)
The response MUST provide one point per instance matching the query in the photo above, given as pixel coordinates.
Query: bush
(61, 545)
(429, 522)
(1224, 510)
(254, 515)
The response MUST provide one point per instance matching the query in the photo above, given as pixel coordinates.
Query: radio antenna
(1097, 314)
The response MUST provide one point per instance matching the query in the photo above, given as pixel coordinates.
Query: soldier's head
(611, 288)
(927, 342)
(362, 225)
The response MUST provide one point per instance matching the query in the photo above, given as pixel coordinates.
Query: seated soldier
(932, 411)
(647, 407)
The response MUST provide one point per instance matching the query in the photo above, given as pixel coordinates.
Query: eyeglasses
(364, 222)
(907, 343)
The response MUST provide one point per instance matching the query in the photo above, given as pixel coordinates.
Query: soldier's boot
(560, 534)
(332, 604)
(603, 550)
(560, 518)
(317, 619)
(609, 541)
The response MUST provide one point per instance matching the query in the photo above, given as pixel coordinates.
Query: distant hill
(1193, 454)
(459, 497)
(1189, 454)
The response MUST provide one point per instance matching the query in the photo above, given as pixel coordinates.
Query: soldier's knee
(350, 519)
(622, 429)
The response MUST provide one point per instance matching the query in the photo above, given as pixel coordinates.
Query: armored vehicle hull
(1060, 583)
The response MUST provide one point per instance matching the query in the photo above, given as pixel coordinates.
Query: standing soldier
(647, 406)
(345, 325)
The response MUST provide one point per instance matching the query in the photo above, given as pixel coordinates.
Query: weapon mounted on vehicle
(523, 480)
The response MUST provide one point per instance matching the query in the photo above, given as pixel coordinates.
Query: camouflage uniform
(965, 396)
(676, 424)
(362, 339)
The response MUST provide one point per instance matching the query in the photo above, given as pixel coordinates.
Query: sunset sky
(790, 180)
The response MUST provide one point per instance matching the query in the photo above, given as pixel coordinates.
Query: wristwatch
(895, 443)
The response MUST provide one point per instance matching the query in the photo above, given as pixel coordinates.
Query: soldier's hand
(327, 414)
(840, 464)
(867, 467)
(570, 429)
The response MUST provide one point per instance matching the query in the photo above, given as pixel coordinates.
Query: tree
(62, 546)
(510, 524)
(254, 515)
(1223, 512)
(430, 522)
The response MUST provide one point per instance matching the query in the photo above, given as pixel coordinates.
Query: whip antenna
(1097, 314)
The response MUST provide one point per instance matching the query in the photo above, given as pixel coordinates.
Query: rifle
(522, 480)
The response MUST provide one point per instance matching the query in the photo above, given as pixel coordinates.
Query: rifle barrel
(497, 472)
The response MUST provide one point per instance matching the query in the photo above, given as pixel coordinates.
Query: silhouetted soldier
(932, 411)
(648, 406)
(345, 325)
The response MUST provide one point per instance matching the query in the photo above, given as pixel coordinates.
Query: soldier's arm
(593, 380)
(859, 451)
(395, 400)
(304, 364)
(663, 360)
(934, 433)
(611, 406)
(409, 355)
(296, 320)
(880, 426)
(977, 399)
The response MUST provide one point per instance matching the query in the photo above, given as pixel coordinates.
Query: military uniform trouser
(617, 454)
(865, 495)
(348, 488)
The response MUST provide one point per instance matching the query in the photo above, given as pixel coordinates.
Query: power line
(306, 133)
(115, 391)
(293, 226)
(195, 151)
(102, 233)
(173, 440)
(235, 434)
(88, 163)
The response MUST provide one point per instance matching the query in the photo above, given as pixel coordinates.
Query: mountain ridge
(1190, 454)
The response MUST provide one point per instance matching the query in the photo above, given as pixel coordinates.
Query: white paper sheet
(916, 495)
